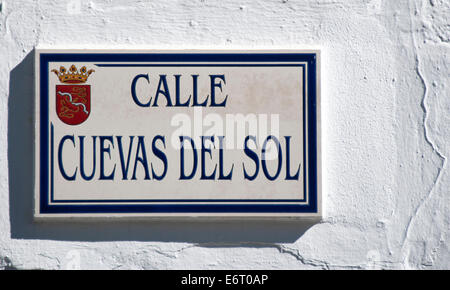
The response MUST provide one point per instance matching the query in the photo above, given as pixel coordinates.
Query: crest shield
(73, 103)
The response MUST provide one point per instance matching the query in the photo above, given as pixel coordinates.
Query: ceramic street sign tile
(184, 133)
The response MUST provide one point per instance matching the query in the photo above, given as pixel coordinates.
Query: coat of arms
(73, 101)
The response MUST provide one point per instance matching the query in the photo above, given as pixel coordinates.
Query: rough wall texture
(386, 134)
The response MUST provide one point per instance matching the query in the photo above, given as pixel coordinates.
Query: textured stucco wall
(386, 134)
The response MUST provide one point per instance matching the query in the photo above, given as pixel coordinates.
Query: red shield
(73, 103)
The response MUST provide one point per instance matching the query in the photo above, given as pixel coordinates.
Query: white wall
(386, 134)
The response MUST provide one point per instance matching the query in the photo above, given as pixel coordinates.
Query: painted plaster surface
(386, 134)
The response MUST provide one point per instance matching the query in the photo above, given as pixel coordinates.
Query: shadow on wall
(21, 195)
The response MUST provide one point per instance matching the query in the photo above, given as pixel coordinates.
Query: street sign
(189, 133)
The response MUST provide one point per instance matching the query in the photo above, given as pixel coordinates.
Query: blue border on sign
(203, 59)
(53, 200)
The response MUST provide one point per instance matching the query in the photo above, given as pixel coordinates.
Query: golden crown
(73, 76)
